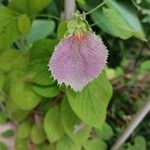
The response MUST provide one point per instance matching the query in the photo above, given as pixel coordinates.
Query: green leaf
(42, 77)
(95, 144)
(2, 80)
(45, 147)
(50, 91)
(103, 23)
(42, 50)
(24, 129)
(3, 117)
(129, 16)
(106, 132)
(40, 54)
(30, 7)
(8, 133)
(52, 124)
(61, 30)
(21, 144)
(13, 59)
(65, 143)
(139, 144)
(123, 29)
(8, 27)
(145, 66)
(19, 115)
(3, 146)
(24, 24)
(74, 127)
(22, 94)
(40, 29)
(91, 103)
(37, 134)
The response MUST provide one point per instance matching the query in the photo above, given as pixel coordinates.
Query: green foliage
(22, 95)
(3, 118)
(52, 124)
(29, 7)
(61, 30)
(129, 17)
(50, 91)
(145, 66)
(36, 33)
(8, 27)
(71, 120)
(2, 79)
(21, 144)
(3, 146)
(95, 144)
(139, 144)
(24, 24)
(66, 143)
(8, 133)
(105, 132)
(87, 102)
(9, 63)
(37, 134)
(118, 19)
(24, 129)
(74, 127)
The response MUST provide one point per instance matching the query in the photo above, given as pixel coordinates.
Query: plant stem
(98, 6)
(69, 8)
(132, 125)
(142, 10)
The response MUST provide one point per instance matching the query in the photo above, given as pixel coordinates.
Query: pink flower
(78, 59)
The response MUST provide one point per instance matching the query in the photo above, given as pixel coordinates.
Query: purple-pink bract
(77, 60)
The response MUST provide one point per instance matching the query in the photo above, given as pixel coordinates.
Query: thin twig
(142, 10)
(98, 6)
(132, 125)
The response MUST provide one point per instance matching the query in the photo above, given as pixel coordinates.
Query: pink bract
(77, 60)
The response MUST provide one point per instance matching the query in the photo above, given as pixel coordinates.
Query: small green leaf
(45, 147)
(3, 146)
(50, 91)
(65, 143)
(42, 77)
(52, 124)
(3, 117)
(24, 129)
(95, 144)
(8, 133)
(24, 24)
(8, 27)
(13, 59)
(21, 144)
(106, 132)
(40, 54)
(139, 144)
(2, 80)
(103, 23)
(30, 7)
(22, 94)
(145, 66)
(36, 33)
(74, 127)
(19, 115)
(61, 30)
(37, 134)
(91, 103)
